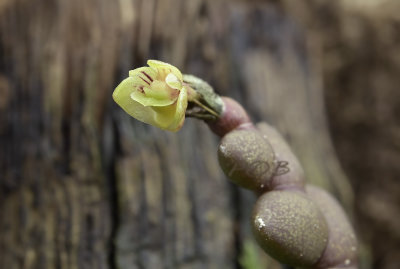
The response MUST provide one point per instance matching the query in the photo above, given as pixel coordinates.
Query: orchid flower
(155, 95)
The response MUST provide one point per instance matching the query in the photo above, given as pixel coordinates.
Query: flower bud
(290, 227)
(341, 250)
(247, 159)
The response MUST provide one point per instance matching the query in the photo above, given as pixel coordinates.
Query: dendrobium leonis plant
(317, 233)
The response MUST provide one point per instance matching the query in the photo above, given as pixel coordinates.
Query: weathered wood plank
(85, 186)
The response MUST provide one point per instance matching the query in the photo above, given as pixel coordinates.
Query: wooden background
(82, 185)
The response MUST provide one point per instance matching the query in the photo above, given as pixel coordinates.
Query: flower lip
(156, 85)
(144, 73)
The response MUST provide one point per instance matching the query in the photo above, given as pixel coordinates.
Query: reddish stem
(233, 117)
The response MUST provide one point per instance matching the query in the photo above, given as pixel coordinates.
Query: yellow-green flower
(155, 95)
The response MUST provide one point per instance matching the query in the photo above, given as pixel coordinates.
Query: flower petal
(171, 118)
(164, 116)
(173, 81)
(148, 74)
(180, 111)
(181, 106)
(121, 96)
(158, 94)
(164, 69)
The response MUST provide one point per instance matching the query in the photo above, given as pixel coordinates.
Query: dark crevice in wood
(143, 239)
(195, 217)
(168, 230)
(237, 218)
(89, 233)
(66, 146)
(114, 209)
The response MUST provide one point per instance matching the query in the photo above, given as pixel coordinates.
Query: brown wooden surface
(82, 185)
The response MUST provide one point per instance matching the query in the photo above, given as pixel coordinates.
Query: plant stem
(204, 97)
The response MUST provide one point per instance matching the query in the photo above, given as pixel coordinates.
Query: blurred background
(82, 185)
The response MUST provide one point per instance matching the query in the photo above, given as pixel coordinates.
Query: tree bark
(84, 186)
